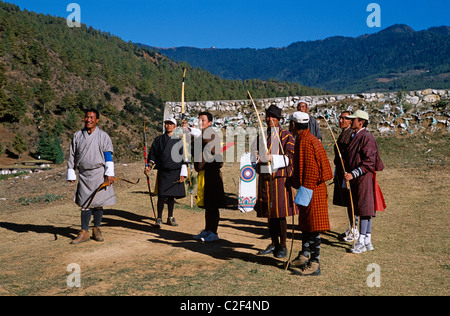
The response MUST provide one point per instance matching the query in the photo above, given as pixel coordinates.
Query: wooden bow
(347, 183)
(183, 117)
(261, 128)
(148, 177)
(185, 148)
(104, 185)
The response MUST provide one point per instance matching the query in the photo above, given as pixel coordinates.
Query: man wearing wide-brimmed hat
(362, 159)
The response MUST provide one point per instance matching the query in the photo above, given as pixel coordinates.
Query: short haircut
(366, 122)
(302, 101)
(207, 114)
(300, 126)
(97, 114)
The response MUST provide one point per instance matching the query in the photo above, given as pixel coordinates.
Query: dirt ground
(411, 239)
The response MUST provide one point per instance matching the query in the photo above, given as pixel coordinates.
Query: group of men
(290, 159)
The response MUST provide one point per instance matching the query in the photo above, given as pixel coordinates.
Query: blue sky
(241, 23)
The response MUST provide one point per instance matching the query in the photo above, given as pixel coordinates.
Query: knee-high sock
(170, 205)
(315, 243)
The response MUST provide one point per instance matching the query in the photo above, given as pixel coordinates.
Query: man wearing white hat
(362, 159)
(311, 170)
(171, 174)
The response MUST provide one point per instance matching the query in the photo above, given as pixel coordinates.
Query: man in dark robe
(208, 160)
(172, 171)
(341, 195)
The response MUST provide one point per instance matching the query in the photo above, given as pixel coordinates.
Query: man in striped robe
(311, 169)
(275, 197)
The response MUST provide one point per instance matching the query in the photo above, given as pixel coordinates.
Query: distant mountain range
(395, 58)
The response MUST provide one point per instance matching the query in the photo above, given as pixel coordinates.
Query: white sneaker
(369, 246)
(359, 248)
(200, 236)
(211, 237)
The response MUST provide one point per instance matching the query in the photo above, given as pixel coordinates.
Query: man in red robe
(311, 170)
(362, 159)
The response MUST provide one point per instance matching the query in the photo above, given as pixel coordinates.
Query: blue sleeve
(108, 156)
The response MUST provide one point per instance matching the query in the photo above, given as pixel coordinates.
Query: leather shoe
(266, 251)
(83, 236)
(280, 253)
(97, 234)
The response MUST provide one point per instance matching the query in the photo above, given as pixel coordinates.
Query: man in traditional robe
(275, 197)
(362, 159)
(208, 160)
(172, 170)
(91, 154)
(313, 125)
(311, 170)
(341, 195)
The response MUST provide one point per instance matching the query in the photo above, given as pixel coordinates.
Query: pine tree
(19, 144)
(44, 93)
(4, 103)
(49, 149)
(16, 109)
(45, 146)
(59, 154)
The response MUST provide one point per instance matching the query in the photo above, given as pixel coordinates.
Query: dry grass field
(411, 238)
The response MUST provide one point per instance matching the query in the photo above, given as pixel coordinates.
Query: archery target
(247, 184)
(248, 174)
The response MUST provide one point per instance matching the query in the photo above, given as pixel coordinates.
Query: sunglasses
(344, 118)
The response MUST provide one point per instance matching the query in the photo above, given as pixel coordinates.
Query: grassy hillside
(49, 73)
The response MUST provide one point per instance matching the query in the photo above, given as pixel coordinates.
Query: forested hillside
(50, 72)
(396, 58)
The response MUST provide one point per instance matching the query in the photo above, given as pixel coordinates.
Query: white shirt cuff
(109, 169)
(184, 171)
(71, 175)
(195, 132)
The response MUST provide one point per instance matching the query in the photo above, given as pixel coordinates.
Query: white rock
(414, 100)
(431, 98)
